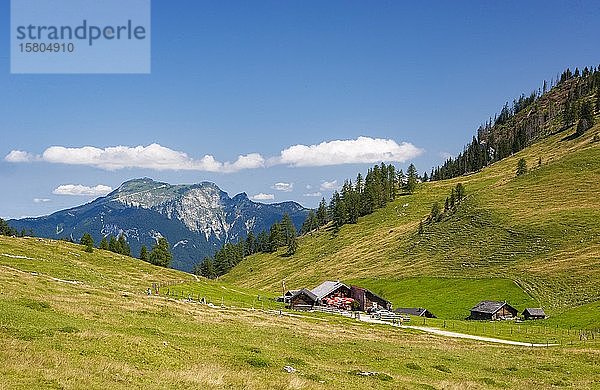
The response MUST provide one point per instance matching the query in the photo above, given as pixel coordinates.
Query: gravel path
(446, 333)
(473, 337)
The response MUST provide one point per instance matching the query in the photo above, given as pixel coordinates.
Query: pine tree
(401, 179)
(251, 245)
(263, 242)
(112, 244)
(569, 114)
(521, 167)
(206, 268)
(411, 181)
(88, 242)
(144, 253)
(5, 229)
(339, 213)
(460, 192)
(310, 223)
(586, 117)
(275, 237)
(122, 245)
(161, 253)
(292, 245)
(322, 213)
(598, 100)
(103, 244)
(436, 212)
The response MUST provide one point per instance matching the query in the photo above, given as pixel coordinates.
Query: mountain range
(196, 219)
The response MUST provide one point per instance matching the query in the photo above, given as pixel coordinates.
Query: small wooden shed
(534, 313)
(303, 300)
(493, 310)
(368, 300)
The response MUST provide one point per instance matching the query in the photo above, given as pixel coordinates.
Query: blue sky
(253, 79)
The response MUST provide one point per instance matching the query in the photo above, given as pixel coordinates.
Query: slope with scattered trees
(568, 101)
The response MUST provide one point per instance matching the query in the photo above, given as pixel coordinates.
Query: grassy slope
(105, 332)
(540, 230)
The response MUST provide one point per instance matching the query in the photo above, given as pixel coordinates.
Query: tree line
(582, 99)
(159, 255)
(7, 230)
(381, 185)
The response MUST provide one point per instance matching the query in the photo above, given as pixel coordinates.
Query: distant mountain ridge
(196, 219)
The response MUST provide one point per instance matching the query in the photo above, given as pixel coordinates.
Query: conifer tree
(289, 234)
(521, 167)
(251, 244)
(401, 179)
(206, 268)
(586, 117)
(460, 192)
(411, 181)
(88, 242)
(310, 223)
(263, 242)
(436, 212)
(122, 245)
(5, 229)
(112, 244)
(322, 213)
(276, 238)
(103, 244)
(161, 253)
(144, 253)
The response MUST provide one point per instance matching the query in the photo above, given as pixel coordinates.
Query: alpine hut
(493, 310)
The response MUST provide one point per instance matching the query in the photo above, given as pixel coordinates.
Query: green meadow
(71, 319)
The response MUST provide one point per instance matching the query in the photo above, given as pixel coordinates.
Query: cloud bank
(157, 157)
(81, 190)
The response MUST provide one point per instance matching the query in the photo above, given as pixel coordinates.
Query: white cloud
(248, 161)
(81, 190)
(17, 156)
(360, 150)
(329, 185)
(313, 194)
(157, 157)
(308, 187)
(285, 187)
(41, 200)
(262, 196)
(153, 156)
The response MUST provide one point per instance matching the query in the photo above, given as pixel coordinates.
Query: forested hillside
(567, 101)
